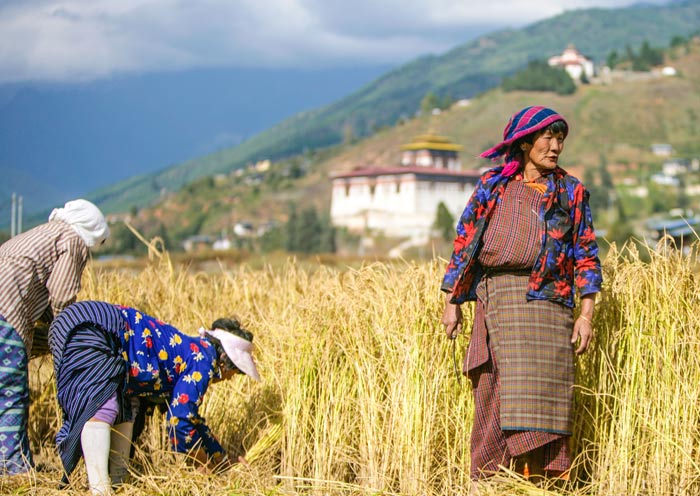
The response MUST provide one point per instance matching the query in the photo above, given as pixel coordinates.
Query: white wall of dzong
(396, 205)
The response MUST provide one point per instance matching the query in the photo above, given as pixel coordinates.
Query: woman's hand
(583, 331)
(583, 327)
(219, 462)
(452, 319)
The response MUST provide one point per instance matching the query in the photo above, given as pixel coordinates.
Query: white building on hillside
(574, 63)
(402, 201)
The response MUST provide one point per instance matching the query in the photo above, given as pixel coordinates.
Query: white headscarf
(85, 218)
(238, 350)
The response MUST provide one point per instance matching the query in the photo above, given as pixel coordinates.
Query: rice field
(359, 393)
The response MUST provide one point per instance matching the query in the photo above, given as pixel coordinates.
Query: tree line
(540, 76)
(643, 60)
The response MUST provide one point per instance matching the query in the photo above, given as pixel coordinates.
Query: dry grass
(359, 394)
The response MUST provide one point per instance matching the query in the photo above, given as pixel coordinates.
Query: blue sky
(84, 40)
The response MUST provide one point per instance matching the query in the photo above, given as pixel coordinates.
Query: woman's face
(544, 151)
(224, 371)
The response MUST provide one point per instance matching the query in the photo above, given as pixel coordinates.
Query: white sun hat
(239, 350)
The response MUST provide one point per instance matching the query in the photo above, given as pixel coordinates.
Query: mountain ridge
(613, 122)
(69, 139)
(467, 70)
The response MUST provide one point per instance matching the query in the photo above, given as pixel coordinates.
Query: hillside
(616, 122)
(463, 72)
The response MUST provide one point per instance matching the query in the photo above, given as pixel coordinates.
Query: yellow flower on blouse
(163, 355)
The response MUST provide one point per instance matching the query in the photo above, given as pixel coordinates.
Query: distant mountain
(613, 125)
(58, 140)
(463, 72)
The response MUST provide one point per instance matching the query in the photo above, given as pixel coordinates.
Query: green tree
(598, 199)
(613, 59)
(683, 199)
(540, 76)
(121, 241)
(444, 222)
(162, 233)
(446, 102)
(309, 232)
(328, 232)
(678, 41)
(652, 57)
(292, 240)
(274, 239)
(620, 232)
(663, 198)
(429, 102)
(606, 180)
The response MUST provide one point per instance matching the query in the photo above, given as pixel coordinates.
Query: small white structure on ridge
(574, 63)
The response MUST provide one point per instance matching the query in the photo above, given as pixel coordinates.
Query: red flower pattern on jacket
(568, 257)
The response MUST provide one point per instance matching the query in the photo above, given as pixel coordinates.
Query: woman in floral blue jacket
(568, 258)
(107, 357)
(525, 245)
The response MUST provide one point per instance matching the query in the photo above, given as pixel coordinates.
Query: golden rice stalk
(269, 440)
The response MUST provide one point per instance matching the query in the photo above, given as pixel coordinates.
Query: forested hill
(463, 72)
(614, 121)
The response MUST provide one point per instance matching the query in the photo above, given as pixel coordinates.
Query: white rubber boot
(95, 439)
(119, 452)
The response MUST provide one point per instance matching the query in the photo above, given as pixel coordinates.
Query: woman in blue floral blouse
(107, 357)
(525, 246)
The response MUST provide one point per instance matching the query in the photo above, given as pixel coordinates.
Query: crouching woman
(109, 357)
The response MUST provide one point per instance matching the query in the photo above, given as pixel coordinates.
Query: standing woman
(107, 357)
(525, 244)
(40, 273)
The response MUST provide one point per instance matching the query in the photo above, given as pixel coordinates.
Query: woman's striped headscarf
(527, 121)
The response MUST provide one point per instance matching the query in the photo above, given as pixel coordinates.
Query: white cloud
(86, 39)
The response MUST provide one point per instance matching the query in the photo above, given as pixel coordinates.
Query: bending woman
(108, 356)
(525, 244)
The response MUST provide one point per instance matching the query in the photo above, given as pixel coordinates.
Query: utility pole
(16, 215)
(19, 215)
(12, 215)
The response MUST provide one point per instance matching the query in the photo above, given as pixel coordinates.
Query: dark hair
(234, 327)
(555, 127)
